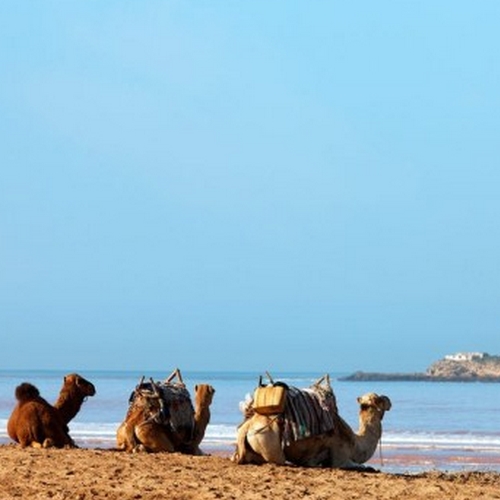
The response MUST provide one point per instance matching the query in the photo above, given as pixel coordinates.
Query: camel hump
(26, 392)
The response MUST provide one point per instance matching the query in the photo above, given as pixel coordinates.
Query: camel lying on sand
(344, 448)
(161, 417)
(35, 422)
(260, 438)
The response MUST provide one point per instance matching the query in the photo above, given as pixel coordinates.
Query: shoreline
(415, 377)
(82, 474)
(389, 458)
(408, 460)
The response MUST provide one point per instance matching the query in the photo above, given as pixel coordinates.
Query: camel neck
(68, 405)
(368, 435)
(201, 419)
(370, 422)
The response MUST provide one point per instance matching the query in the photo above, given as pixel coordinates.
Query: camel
(161, 418)
(204, 394)
(344, 448)
(261, 439)
(35, 422)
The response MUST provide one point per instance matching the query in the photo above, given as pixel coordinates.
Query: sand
(83, 474)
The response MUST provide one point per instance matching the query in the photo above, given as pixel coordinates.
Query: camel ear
(196, 387)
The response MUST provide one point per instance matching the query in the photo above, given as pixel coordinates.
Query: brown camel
(344, 448)
(161, 417)
(35, 422)
(260, 438)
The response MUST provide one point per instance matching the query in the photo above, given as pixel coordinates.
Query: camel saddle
(177, 411)
(304, 412)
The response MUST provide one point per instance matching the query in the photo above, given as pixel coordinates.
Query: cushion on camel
(269, 399)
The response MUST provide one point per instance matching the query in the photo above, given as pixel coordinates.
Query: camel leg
(153, 437)
(58, 438)
(360, 468)
(53, 437)
(309, 452)
(125, 437)
(264, 438)
(244, 454)
(241, 452)
(31, 433)
(25, 439)
(271, 454)
(198, 451)
(190, 449)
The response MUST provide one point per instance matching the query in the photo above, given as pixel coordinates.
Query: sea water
(443, 426)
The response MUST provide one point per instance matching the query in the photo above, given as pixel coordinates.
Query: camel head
(77, 384)
(74, 392)
(204, 395)
(372, 401)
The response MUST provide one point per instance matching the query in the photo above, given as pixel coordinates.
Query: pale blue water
(431, 426)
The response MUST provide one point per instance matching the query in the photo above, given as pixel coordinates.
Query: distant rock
(460, 367)
(360, 376)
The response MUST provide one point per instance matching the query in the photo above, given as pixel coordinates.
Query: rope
(380, 452)
(269, 423)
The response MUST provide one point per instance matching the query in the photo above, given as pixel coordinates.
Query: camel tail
(26, 392)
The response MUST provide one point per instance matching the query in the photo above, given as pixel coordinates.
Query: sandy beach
(82, 474)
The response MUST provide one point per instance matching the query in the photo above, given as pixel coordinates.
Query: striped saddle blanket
(308, 412)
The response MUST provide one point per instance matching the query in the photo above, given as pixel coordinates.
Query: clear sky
(264, 185)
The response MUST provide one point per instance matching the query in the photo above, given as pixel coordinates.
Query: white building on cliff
(465, 356)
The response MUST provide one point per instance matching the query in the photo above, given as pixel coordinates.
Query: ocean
(431, 426)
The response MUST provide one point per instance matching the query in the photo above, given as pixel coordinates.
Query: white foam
(443, 441)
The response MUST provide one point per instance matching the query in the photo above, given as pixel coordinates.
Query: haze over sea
(431, 426)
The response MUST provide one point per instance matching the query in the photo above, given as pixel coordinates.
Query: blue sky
(248, 185)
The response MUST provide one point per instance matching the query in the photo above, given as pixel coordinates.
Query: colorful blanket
(308, 412)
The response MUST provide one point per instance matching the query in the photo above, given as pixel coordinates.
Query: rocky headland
(460, 367)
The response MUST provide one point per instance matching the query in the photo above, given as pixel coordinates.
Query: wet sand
(83, 474)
